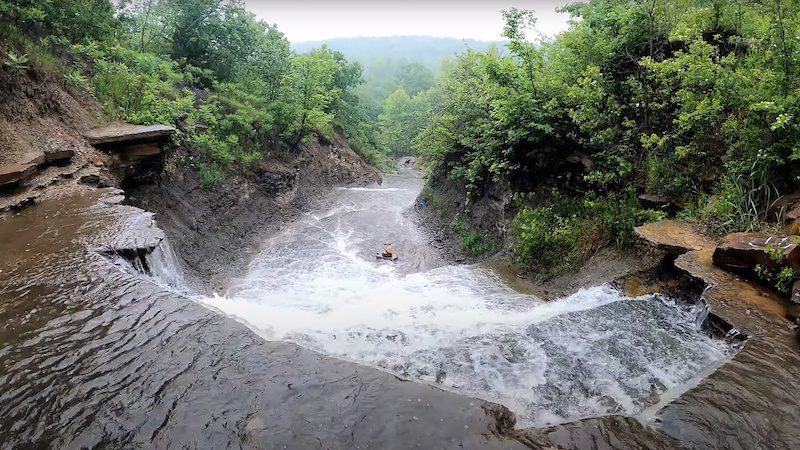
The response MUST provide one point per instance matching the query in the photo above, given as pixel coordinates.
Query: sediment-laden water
(318, 284)
(96, 353)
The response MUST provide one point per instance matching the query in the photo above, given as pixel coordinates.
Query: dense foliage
(229, 83)
(692, 100)
(696, 101)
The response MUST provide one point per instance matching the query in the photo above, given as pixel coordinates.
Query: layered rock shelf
(17, 173)
(741, 252)
(127, 134)
(129, 144)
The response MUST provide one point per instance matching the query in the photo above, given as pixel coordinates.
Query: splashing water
(596, 352)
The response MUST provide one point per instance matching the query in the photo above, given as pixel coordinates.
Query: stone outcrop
(127, 134)
(669, 236)
(16, 173)
(58, 156)
(741, 252)
(787, 208)
(128, 144)
(135, 150)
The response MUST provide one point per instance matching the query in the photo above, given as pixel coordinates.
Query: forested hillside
(426, 50)
(229, 83)
(389, 63)
(693, 102)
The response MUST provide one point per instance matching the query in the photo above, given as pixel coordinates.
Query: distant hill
(389, 62)
(426, 50)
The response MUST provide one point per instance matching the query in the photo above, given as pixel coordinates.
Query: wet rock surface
(100, 357)
(667, 237)
(606, 433)
(736, 406)
(214, 230)
(741, 252)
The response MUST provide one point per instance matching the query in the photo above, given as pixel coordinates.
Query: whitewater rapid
(317, 283)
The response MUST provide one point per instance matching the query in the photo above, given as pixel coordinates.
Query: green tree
(414, 78)
(307, 94)
(75, 19)
(402, 119)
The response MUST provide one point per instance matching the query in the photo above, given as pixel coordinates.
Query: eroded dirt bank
(212, 229)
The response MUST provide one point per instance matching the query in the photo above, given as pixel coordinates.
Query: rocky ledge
(749, 402)
(146, 368)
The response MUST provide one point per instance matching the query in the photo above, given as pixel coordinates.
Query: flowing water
(317, 283)
(95, 354)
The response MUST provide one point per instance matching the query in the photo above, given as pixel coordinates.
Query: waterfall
(160, 266)
(164, 267)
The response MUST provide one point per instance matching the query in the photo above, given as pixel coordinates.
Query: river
(97, 354)
(318, 284)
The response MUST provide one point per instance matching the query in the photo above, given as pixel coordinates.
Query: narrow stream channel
(316, 283)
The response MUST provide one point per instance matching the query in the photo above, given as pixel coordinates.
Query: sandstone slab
(38, 160)
(741, 252)
(127, 134)
(671, 236)
(15, 173)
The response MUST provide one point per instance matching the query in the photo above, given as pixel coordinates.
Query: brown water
(94, 354)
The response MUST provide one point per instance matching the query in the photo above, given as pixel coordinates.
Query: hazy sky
(307, 20)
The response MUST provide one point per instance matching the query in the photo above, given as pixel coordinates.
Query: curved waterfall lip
(597, 352)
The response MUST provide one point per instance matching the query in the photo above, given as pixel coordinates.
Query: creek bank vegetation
(229, 83)
(640, 111)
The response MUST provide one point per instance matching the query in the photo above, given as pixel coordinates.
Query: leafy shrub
(665, 177)
(567, 231)
(472, 243)
(210, 175)
(782, 279)
(76, 80)
(18, 62)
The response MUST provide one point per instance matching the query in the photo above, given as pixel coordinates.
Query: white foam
(595, 352)
(374, 189)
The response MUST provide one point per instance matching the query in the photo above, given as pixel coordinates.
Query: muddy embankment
(213, 229)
